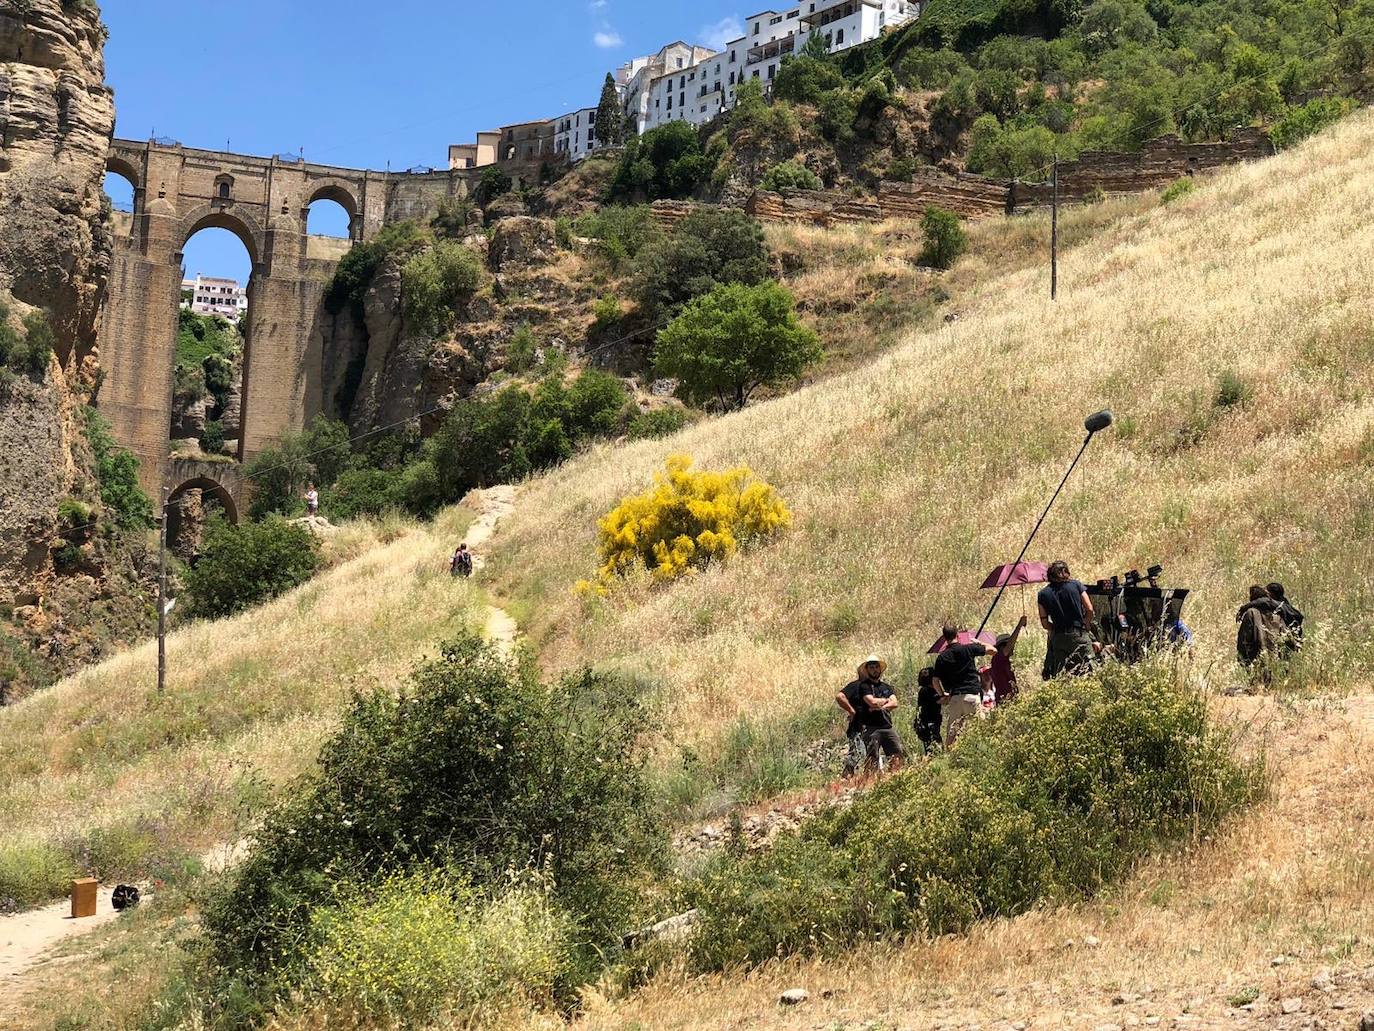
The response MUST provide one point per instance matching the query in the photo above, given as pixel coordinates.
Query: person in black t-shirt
(1066, 613)
(880, 701)
(851, 702)
(929, 711)
(958, 681)
(1292, 619)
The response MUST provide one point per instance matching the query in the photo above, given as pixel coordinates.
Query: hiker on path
(1260, 631)
(1004, 685)
(1292, 619)
(312, 501)
(1066, 613)
(958, 681)
(930, 711)
(851, 701)
(461, 563)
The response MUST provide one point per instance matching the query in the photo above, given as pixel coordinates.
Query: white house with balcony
(209, 295)
(698, 92)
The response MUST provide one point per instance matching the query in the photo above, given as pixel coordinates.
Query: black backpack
(465, 563)
(125, 896)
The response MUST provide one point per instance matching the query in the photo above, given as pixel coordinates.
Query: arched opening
(212, 329)
(191, 508)
(123, 197)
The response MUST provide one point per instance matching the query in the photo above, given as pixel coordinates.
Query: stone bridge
(178, 191)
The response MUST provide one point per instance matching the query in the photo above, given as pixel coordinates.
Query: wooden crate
(83, 897)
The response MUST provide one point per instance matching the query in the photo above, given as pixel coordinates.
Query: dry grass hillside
(102, 769)
(1231, 333)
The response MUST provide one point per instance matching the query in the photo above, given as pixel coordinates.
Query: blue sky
(362, 83)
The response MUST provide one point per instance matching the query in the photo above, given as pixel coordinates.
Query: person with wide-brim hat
(869, 703)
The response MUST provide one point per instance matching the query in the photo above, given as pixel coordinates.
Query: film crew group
(950, 693)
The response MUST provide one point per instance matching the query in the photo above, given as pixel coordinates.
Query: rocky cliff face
(56, 119)
(57, 585)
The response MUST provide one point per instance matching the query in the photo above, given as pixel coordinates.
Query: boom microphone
(1099, 421)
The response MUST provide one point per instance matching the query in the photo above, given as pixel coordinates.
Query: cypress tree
(610, 121)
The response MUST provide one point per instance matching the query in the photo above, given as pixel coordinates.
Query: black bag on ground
(125, 896)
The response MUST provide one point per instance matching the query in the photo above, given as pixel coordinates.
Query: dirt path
(27, 938)
(492, 505)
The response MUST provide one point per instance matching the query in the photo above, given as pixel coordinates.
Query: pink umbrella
(1018, 574)
(965, 637)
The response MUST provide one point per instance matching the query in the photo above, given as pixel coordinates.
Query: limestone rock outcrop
(520, 242)
(57, 116)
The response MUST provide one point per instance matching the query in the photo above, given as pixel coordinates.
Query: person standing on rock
(1066, 613)
(312, 501)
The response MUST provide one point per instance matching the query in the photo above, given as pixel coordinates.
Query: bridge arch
(341, 194)
(126, 170)
(241, 224)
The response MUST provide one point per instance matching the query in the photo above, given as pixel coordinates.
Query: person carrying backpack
(1261, 629)
(1292, 620)
(461, 563)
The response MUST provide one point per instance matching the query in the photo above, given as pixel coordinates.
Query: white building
(699, 92)
(643, 73)
(574, 134)
(212, 296)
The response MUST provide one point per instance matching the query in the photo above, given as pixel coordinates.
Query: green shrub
(596, 402)
(1232, 390)
(39, 338)
(709, 247)
(620, 232)
(1298, 123)
(33, 872)
(521, 351)
(424, 947)
(436, 284)
(1124, 763)
(363, 492)
(790, 175)
(477, 767)
(666, 162)
(68, 558)
(902, 170)
(1178, 189)
(74, 514)
(807, 77)
(356, 269)
(454, 219)
(837, 112)
(280, 474)
(728, 343)
(945, 238)
(661, 422)
(608, 313)
(492, 183)
(479, 444)
(243, 566)
(212, 440)
(116, 470)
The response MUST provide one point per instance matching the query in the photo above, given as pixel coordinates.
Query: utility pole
(162, 597)
(1054, 235)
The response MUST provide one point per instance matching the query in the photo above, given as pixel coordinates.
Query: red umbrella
(1018, 574)
(965, 637)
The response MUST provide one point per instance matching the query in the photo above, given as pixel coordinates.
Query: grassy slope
(248, 700)
(912, 476)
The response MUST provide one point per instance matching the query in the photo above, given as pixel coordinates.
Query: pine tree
(610, 122)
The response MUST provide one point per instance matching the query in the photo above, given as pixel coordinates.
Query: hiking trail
(28, 939)
(492, 505)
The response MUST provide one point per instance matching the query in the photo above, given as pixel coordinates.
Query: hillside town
(690, 83)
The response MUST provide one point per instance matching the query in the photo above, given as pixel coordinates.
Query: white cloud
(598, 5)
(607, 39)
(722, 32)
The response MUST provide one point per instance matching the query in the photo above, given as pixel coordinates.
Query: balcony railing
(775, 48)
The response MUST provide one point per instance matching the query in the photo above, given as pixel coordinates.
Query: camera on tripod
(1135, 614)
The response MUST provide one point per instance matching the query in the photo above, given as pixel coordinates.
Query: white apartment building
(574, 134)
(212, 296)
(699, 92)
(643, 73)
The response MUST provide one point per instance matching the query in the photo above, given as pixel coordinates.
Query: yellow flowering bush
(689, 519)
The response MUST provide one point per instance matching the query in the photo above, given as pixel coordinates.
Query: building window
(679, 62)
(756, 28)
(682, 100)
(756, 74)
(839, 37)
(732, 57)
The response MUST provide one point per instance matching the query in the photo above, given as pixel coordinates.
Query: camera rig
(1135, 614)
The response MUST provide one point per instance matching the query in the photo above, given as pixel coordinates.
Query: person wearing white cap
(869, 702)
